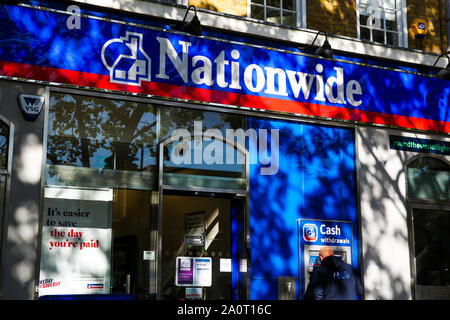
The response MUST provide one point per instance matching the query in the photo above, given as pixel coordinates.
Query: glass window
(428, 178)
(91, 137)
(97, 200)
(212, 220)
(97, 215)
(381, 21)
(276, 11)
(429, 182)
(431, 250)
(203, 161)
(101, 133)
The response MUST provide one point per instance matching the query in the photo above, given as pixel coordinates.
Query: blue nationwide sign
(36, 44)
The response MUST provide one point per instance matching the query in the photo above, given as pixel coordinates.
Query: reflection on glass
(429, 178)
(131, 229)
(201, 155)
(207, 217)
(101, 133)
(432, 253)
(100, 145)
(289, 4)
(392, 38)
(257, 12)
(289, 18)
(316, 179)
(273, 3)
(273, 15)
(378, 36)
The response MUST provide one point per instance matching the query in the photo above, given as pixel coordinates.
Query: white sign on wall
(225, 265)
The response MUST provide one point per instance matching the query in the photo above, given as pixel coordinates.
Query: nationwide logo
(132, 65)
(95, 286)
(183, 61)
(310, 232)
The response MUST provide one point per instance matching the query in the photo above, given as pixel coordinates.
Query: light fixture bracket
(325, 50)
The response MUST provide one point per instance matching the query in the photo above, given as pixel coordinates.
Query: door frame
(416, 203)
(428, 205)
(236, 193)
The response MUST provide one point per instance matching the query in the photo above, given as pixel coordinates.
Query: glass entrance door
(202, 246)
(203, 187)
(429, 217)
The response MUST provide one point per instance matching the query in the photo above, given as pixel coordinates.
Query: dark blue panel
(316, 180)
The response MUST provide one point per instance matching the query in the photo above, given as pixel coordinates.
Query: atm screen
(341, 254)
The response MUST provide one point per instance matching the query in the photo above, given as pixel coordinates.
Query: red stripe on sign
(86, 79)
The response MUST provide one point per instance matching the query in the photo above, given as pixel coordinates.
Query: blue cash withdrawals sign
(315, 234)
(325, 232)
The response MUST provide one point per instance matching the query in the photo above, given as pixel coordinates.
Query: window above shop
(382, 21)
(280, 12)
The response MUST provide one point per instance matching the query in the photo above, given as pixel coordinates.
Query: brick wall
(332, 16)
(339, 17)
(235, 7)
(433, 11)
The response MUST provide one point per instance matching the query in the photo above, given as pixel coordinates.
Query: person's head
(325, 252)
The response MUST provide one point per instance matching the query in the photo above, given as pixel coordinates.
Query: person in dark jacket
(333, 279)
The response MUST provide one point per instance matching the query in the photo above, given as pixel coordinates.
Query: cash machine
(313, 235)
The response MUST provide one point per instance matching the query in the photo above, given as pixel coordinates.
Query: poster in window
(76, 242)
(193, 271)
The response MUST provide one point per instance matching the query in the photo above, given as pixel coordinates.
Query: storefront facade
(146, 161)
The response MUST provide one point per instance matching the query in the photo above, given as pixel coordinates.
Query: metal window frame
(265, 6)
